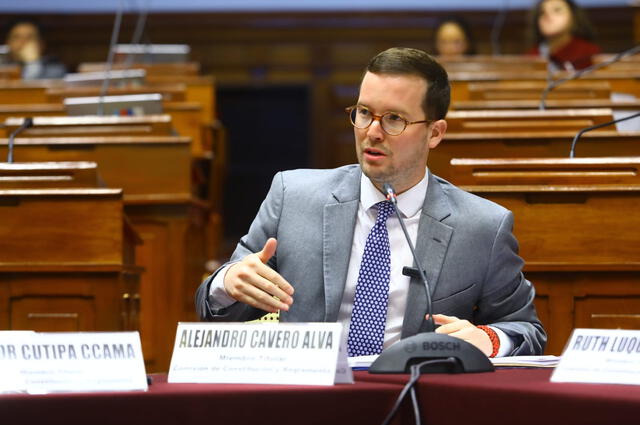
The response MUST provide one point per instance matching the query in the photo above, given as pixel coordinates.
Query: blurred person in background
(562, 34)
(453, 38)
(26, 47)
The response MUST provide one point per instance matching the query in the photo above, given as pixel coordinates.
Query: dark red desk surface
(366, 403)
(519, 397)
(512, 396)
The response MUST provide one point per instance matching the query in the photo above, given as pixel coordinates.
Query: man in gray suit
(303, 252)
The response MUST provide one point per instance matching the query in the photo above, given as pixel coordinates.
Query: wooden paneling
(257, 49)
(67, 262)
(577, 225)
(508, 121)
(155, 168)
(155, 174)
(528, 144)
(608, 312)
(41, 175)
(91, 126)
(98, 241)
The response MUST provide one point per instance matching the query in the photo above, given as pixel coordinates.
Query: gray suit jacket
(464, 242)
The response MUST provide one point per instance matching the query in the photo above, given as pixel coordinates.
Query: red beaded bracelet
(493, 336)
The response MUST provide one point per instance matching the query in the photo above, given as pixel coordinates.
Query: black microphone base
(430, 346)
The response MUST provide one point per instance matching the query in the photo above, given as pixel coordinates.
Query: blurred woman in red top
(563, 34)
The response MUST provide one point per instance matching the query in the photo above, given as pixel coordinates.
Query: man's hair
(408, 61)
(580, 27)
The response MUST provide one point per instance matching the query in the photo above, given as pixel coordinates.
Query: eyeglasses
(391, 123)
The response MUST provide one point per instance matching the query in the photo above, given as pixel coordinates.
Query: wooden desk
(67, 261)
(528, 145)
(517, 90)
(528, 120)
(46, 175)
(149, 169)
(489, 63)
(169, 92)
(199, 88)
(185, 117)
(31, 91)
(91, 125)
(10, 72)
(152, 69)
(549, 104)
(627, 81)
(578, 226)
(155, 173)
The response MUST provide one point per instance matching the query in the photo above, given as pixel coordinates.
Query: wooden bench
(518, 90)
(46, 175)
(152, 69)
(68, 258)
(9, 72)
(615, 105)
(525, 120)
(618, 81)
(528, 144)
(578, 226)
(91, 126)
(155, 174)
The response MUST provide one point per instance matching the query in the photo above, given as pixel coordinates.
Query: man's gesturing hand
(252, 282)
(465, 330)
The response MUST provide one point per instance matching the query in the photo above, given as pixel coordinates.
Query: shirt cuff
(506, 345)
(218, 297)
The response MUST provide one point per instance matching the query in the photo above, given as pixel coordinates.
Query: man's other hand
(253, 282)
(463, 329)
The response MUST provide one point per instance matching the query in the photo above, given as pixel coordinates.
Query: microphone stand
(112, 50)
(391, 196)
(572, 152)
(26, 123)
(399, 357)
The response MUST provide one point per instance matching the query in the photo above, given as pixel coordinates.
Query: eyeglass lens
(391, 123)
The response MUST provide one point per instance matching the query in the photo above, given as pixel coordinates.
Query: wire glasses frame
(390, 122)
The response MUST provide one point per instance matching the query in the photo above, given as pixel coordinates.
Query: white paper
(525, 361)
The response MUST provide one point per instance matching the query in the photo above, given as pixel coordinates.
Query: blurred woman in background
(562, 34)
(453, 38)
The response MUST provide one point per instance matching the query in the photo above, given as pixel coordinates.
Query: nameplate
(603, 356)
(256, 353)
(40, 363)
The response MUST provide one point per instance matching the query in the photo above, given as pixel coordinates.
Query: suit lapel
(431, 248)
(339, 220)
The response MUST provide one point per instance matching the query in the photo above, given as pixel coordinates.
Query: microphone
(137, 33)
(407, 271)
(449, 354)
(496, 30)
(26, 123)
(553, 84)
(594, 127)
(110, 57)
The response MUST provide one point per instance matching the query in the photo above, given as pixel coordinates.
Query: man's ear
(438, 128)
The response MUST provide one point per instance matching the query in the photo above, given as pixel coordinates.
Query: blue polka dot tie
(369, 315)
